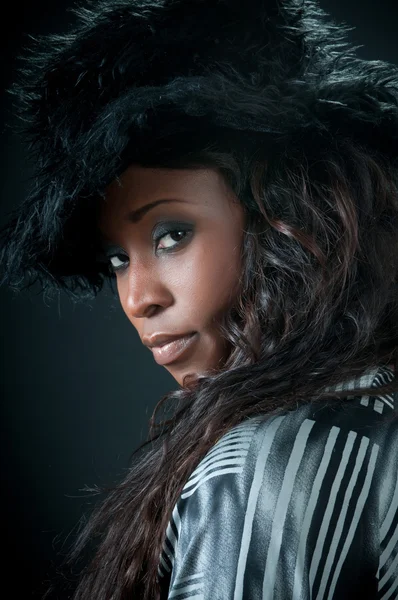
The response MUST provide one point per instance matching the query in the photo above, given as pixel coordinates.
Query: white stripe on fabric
(375, 377)
(175, 517)
(385, 376)
(239, 444)
(221, 455)
(244, 432)
(224, 448)
(330, 506)
(355, 520)
(164, 564)
(195, 587)
(219, 463)
(282, 505)
(230, 443)
(338, 531)
(378, 406)
(385, 555)
(364, 380)
(390, 592)
(236, 432)
(388, 399)
(244, 435)
(392, 511)
(309, 513)
(257, 481)
(171, 536)
(215, 474)
(393, 568)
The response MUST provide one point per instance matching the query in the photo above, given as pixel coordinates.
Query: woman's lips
(168, 353)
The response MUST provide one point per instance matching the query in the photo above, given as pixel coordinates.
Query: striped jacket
(298, 506)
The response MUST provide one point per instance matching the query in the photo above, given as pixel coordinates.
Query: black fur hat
(274, 72)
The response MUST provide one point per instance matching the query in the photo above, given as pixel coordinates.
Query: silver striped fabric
(299, 506)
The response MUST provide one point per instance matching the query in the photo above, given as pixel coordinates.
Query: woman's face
(174, 240)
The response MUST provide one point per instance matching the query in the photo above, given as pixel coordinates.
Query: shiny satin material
(298, 506)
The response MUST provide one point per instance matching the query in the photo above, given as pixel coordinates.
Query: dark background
(76, 384)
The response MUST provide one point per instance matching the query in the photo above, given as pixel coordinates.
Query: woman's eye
(116, 263)
(171, 239)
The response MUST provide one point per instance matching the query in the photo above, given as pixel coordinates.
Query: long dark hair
(318, 305)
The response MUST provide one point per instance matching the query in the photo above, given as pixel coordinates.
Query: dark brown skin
(187, 288)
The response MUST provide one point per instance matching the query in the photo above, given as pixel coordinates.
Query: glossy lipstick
(168, 353)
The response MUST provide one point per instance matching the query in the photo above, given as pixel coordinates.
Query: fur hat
(270, 72)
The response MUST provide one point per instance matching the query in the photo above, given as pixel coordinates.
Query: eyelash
(164, 233)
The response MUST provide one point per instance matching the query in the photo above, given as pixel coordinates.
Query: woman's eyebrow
(136, 215)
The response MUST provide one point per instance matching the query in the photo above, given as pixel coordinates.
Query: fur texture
(277, 72)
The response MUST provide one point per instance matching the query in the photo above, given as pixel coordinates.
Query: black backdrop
(77, 386)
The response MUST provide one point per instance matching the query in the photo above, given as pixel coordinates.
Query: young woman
(232, 167)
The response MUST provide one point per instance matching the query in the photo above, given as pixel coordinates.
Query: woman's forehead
(139, 186)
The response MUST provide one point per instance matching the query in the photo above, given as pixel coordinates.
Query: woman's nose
(145, 293)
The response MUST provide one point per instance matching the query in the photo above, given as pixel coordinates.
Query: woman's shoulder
(285, 442)
(294, 486)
